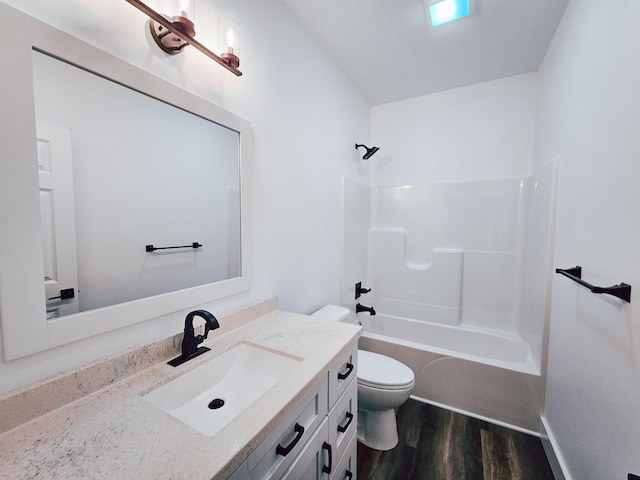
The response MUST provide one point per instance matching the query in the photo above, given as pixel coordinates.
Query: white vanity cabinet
(332, 452)
(317, 440)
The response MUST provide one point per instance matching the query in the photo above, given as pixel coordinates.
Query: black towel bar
(622, 290)
(151, 248)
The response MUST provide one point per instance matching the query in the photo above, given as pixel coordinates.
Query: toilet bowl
(383, 385)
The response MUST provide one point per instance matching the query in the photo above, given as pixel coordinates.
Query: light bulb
(231, 40)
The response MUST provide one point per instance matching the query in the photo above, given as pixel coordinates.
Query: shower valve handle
(360, 290)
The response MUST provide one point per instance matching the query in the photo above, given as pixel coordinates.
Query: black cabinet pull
(344, 428)
(327, 468)
(284, 451)
(348, 475)
(342, 376)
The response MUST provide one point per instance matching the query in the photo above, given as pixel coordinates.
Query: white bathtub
(485, 374)
(498, 349)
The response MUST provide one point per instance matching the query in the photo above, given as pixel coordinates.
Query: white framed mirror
(119, 280)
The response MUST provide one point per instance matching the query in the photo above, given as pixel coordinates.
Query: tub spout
(362, 308)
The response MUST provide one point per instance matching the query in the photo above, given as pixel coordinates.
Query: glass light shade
(230, 39)
(174, 8)
(185, 9)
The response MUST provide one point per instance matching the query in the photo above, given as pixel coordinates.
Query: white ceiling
(390, 52)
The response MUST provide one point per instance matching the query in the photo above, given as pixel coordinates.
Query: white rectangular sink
(209, 397)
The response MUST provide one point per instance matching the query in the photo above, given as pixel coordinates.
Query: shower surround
(463, 261)
(447, 252)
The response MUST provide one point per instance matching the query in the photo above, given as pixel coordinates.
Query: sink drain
(216, 403)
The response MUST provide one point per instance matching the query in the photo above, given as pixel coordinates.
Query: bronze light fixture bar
(161, 20)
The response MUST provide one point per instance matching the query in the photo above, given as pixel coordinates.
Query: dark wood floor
(436, 444)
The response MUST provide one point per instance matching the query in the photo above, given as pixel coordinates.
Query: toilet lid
(377, 370)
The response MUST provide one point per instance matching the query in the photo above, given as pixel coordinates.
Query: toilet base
(377, 429)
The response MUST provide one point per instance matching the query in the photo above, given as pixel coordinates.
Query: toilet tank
(334, 313)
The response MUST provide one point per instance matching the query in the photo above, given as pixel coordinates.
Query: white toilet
(383, 385)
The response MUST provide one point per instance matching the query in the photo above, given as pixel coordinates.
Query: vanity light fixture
(172, 34)
(445, 11)
(166, 40)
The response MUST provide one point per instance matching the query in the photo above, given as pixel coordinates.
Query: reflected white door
(55, 173)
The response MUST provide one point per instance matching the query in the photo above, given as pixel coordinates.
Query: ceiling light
(444, 11)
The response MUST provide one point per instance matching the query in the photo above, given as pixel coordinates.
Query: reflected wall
(144, 173)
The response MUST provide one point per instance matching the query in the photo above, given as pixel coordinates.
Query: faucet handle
(360, 290)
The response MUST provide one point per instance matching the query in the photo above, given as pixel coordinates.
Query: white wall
(483, 131)
(588, 116)
(305, 116)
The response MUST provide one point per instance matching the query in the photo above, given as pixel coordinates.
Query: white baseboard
(479, 417)
(554, 454)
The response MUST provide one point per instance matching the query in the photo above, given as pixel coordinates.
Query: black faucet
(190, 341)
(362, 308)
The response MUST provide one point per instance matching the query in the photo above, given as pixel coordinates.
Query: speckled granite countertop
(115, 433)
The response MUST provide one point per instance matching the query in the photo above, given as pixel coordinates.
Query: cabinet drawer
(314, 462)
(346, 468)
(340, 377)
(276, 453)
(343, 418)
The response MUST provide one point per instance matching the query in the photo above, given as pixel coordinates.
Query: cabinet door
(315, 460)
(340, 376)
(277, 452)
(346, 468)
(241, 473)
(343, 418)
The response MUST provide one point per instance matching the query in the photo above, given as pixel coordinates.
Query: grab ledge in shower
(621, 291)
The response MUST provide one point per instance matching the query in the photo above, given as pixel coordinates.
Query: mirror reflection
(119, 171)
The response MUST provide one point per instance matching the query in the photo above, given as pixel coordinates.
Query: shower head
(370, 151)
